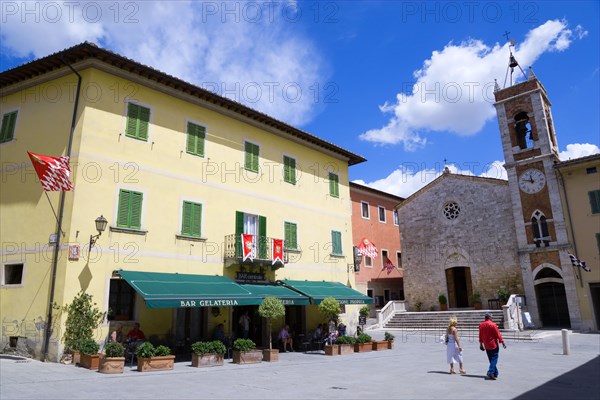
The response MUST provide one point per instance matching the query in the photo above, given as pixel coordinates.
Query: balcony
(263, 253)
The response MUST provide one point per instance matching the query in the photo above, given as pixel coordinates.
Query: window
(384, 258)
(364, 209)
(399, 259)
(540, 229)
(334, 185)
(290, 236)
(368, 262)
(289, 170)
(381, 214)
(595, 201)
(370, 293)
(598, 241)
(336, 243)
(522, 128)
(191, 219)
(451, 210)
(251, 152)
(7, 131)
(121, 300)
(129, 214)
(196, 135)
(591, 170)
(396, 221)
(138, 120)
(255, 225)
(12, 274)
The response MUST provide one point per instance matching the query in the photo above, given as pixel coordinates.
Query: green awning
(161, 290)
(287, 296)
(320, 290)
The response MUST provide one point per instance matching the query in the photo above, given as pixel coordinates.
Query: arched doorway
(551, 299)
(458, 281)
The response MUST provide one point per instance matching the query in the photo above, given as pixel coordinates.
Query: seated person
(219, 333)
(342, 329)
(116, 335)
(284, 336)
(135, 334)
(318, 334)
(332, 337)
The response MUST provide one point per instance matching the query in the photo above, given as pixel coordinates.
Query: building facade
(374, 217)
(180, 174)
(580, 191)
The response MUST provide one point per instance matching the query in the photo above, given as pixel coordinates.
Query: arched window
(540, 229)
(547, 273)
(522, 128)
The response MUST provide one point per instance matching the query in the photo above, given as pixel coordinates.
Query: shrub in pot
(443, 302)
(208, 354)
(152, 358)
(270, 308)
(244, 352)
(90, 358)
(83, 317)
(389, 338)
(113, 361)
(346, 344)
(363, 343)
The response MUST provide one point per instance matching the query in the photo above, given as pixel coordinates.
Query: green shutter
(262, 237)
(595, 201)
(598, 242)
(251, 156)
(289, 170)
(138, 119)
(195, 139)
(239, 229)
(333, 185)
(135, 221)
(123, 211)
(290, 235)
(336, 242)
(196, 220)
(7, 131)
(186, 219)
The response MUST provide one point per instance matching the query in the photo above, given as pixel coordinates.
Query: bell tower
(530, 152)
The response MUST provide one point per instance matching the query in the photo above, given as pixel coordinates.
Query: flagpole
(60, 220)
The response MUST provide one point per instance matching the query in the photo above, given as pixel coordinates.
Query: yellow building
(179, 173)
(580, 192)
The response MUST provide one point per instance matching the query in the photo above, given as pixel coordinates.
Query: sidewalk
(414, 369)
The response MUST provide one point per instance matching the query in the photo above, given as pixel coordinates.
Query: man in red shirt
(489, 337)
(136, 333)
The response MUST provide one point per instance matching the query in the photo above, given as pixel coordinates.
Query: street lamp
(100, 227)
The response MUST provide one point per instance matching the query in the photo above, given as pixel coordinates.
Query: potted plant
(363, 343)
(208, 354)
(270, 308)
(83, 317)
(113, 360)
(476, 298)
(331, 309)
(150, 358)
(390, 339)
(345, 344)
(418, 305)
(503, 295)
(443, 302)
(90, 358)
(244, 352)
(381, 344)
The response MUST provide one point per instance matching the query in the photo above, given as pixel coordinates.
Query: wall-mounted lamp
(100, 227)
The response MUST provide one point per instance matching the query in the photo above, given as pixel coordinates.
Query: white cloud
(247, 51)
(577, 150)
(454, 89)
(407, 180)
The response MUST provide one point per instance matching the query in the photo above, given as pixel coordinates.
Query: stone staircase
(468, 320)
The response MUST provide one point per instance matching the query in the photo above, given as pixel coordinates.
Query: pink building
(374, 219)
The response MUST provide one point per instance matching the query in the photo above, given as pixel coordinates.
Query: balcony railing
(263, 254)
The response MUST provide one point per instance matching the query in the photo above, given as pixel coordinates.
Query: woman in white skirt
(454, 350)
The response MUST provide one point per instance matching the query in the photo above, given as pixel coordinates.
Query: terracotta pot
(332, 350)
(247, 357)
(363, 347)
(346, 349)
(380, 345)
(270, 355)
(390, 344)
(76, 357)
(158, 363)
(90, 361)
(477, 305)
(111, 365)
(207, 360)
(443, 307)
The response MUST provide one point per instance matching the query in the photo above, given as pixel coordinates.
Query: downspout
(60, 220)
(562, 182)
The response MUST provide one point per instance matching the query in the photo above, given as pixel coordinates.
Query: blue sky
(404, 84)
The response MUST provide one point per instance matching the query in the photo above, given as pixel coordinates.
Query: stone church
(462, 234)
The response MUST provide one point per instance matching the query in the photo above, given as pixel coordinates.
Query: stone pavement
(415, 369)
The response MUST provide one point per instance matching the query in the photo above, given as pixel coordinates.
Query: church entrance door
(458, 281)
(552, 303)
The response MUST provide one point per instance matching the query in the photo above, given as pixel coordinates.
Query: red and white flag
(368, 249)
(248, 247)
(389, 266)
(277, 251)
(53, 172)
